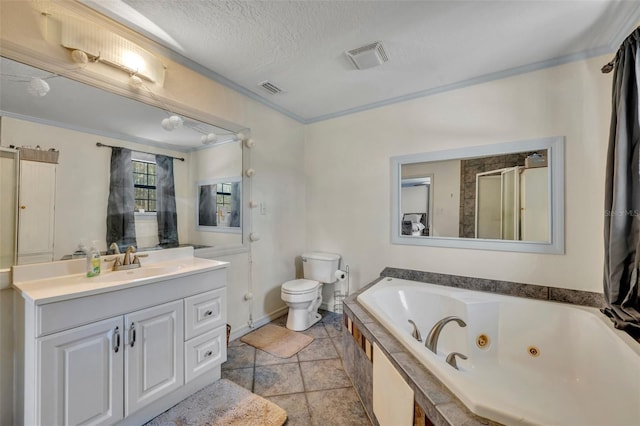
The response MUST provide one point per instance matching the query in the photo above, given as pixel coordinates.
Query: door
(36, 212)
(81, 374)
(154, 356)
(534, 210)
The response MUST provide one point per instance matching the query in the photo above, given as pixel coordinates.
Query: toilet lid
(299, 286)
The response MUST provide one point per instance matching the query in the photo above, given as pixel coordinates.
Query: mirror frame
(555, 150)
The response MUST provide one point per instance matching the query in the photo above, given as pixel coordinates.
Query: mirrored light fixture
(209, 138)
(38, 87)
(172, 123)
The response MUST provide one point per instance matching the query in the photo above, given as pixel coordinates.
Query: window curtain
(235, 204)
(622, 193)
(166, 202)
(121, 226)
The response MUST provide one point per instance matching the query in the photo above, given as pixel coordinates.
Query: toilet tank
(320, 266)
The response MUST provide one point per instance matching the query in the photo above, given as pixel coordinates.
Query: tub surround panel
(508, 288)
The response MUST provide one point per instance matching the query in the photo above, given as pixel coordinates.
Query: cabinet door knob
(208, 313)
(208, 354)
(116, 339)
(23, 207)
(132, 335)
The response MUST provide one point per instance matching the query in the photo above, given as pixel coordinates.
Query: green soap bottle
(93, 261)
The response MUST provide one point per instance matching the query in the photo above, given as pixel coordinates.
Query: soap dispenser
(93, 261)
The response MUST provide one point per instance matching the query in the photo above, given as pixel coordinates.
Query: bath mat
(222, 403)
(278, 341)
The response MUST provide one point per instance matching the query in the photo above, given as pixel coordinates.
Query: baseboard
(258, 323)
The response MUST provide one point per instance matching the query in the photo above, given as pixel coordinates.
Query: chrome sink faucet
(126, 260)
(434, 333)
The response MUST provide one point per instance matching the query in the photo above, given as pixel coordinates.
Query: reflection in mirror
(69, 120)
(499, 197)
(416, 202)
(218, 204)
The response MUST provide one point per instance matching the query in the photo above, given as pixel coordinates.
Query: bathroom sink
(132, 274)
(56, 281)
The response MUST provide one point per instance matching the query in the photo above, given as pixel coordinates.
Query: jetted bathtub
(529, 362)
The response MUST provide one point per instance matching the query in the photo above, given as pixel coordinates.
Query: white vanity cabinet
(82, 375)
(121, 356)
(153, 354)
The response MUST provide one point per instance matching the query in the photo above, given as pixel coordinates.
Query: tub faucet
(415, 333)
(451, 359)
(434, 333)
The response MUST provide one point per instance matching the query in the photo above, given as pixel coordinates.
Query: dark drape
(166, 202)
(622, 193)
(235, 205)
(207, 212)
(121, 226)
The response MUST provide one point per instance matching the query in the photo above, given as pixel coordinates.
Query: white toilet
(304, 296)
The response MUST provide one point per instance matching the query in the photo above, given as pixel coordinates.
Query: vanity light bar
(108, 47)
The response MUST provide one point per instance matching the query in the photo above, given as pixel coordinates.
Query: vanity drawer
(204, 352)
(204, 312)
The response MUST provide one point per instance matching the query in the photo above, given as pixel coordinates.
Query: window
(144, 182)
(223, 198)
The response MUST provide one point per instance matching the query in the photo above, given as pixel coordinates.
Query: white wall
(349, 212)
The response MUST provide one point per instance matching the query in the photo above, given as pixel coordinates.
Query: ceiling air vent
(270, 87)
(368, 56)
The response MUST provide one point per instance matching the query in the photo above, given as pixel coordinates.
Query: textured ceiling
(432, 45)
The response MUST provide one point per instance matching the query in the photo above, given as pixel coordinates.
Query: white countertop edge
(36, 291)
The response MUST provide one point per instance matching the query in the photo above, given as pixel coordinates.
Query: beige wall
(349, 212)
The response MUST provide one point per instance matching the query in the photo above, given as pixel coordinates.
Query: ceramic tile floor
(311, 385)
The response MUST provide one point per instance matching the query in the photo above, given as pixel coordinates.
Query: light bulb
(135, 81)
(249, 143)
(176, 121)
(38, 87)
(240, 136)
(166, 124)
(79, 57)
(209, 138)
(250, 172)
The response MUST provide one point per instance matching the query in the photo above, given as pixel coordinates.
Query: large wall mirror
(63, 198)
(507, 197)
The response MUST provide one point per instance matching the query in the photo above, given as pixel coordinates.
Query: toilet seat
(300, 286)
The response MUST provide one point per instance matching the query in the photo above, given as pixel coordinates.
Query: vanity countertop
(64, 282)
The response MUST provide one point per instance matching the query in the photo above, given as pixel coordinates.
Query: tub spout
(415, 333)
(434, 334)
